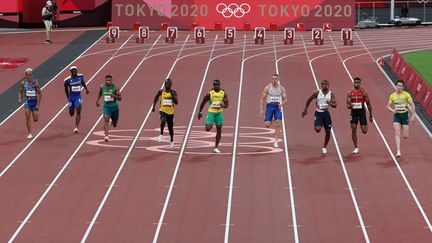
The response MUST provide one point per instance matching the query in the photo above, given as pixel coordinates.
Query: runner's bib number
(357, 105)
(167, 102)
(31, 93)
(323, 106)
(274, 99)
(400, 107)
(108, 98)
(76, 88)
(216, 105)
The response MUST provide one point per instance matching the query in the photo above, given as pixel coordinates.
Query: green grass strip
(421, 61)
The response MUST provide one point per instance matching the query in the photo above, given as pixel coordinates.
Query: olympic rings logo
(422, 1)
(233, 9)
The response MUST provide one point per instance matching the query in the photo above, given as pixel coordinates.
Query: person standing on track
(33, 96)
(218, 100)
(111, 94)
(356, 100)
(400, 100)
(72, 86)
(47, 14)
(271, 96)
(324, 99)
(166, 109)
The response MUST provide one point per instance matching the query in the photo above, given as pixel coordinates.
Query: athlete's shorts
(48, 25)
(168, 118)
(31, 105)
(401, 118)
(75, 102)
(273, 111)
(112, 112)
(323, 119)
(215, 117)
(358, 115)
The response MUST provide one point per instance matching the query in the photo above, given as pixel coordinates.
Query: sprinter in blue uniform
(73, 85)
(33, 96)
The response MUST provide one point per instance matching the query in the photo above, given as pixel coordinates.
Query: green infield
(421, 61)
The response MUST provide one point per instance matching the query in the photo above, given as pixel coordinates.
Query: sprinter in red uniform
(356, 100)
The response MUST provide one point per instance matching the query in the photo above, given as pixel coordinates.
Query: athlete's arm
(39, 92)
(284, 96)
(333, 100)
(84, 85)
(413, 109)
(156, 99)
(174, 96)
(225, 101)
(348, 101)
(117, 94)
(389, 108)
(263, 99)
(313, 96)
(21, 90)
(203, 102)
(99, 96)
(369, 105)
(66, 87)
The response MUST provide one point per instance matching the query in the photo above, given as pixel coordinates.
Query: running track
(61, 187)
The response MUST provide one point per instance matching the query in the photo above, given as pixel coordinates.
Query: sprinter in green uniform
(111, 94)
(218, 100)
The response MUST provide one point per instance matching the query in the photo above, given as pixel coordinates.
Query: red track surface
(138, 194)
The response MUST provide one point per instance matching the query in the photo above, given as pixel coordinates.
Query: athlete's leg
(218, 135)
(277, 129)
(397, 128)
(354, 134)
(170, 122)
(405, 131)
(364, 129)
(162, 124)
(35, 115)
(115, 116)
(27, 113)
(327, 137)
(106, 123)
(78, 116)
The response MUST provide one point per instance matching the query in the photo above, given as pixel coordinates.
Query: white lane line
(52, 119)
(66, 67)
(348, 181)
(287, 160)
(182, 149)
(419, 206)
(137, 135)
(21, 226)
(234, 154)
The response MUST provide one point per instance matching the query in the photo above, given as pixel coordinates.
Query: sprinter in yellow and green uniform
(166, 109)
(400, 100)
(217, 99)
(111, 94)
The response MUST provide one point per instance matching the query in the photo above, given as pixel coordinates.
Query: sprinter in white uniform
(324, 99)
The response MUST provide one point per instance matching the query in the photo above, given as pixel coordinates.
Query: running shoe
(324, 150)
(106, 139)
(356, 150)
(30, 136)
(159, 138)
(276, 144)
(75, 130)
(398, 154)
(216, 151)
(171, 144)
